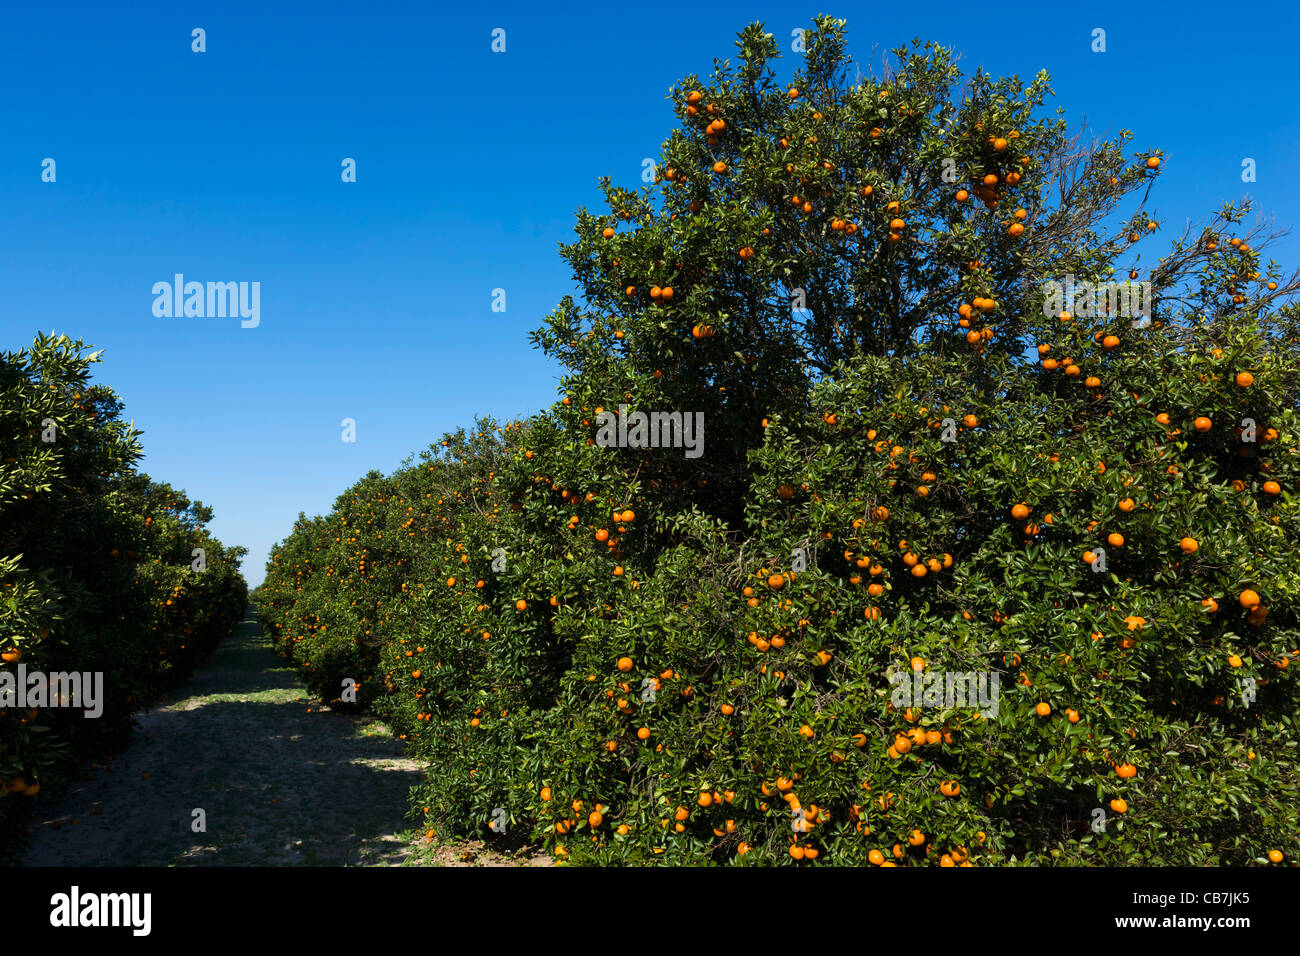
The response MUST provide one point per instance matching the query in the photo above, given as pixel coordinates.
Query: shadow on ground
(277, 784)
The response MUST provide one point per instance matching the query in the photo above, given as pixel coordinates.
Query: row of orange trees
(916, 464)
(102, 571)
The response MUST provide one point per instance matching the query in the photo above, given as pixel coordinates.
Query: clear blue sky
(376, 295)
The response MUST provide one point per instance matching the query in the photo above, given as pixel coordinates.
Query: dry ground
(280, 783)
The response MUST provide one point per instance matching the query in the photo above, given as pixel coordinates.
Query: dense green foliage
(673, 684)
(98, 570)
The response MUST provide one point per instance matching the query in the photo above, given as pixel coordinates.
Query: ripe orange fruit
(1119, 805)
(1245, 379)
(602, 535)
(1043, 709)
(1275, 856)
(1153, 162)
(1110, 341)
(546, 793)
(1189, 545)
(1125, 771)
(595, 818)
(1249, 599)
(643, 733)
(1072, 715)
(1116, 539)
(1126, 505)
(1020, 511)
(625, 664)
(1272, 488)
(876, 857)
(521, 604)
(776, 581)
(1202, 424)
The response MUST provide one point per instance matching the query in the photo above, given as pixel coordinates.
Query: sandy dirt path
(279, 784)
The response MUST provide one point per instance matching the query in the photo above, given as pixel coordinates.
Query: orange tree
(103, 570)
(942, 436)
